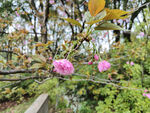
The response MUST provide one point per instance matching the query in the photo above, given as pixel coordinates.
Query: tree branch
(136, 12)
(68, 17)
(23, 79)
(3, 72)
(6, 51)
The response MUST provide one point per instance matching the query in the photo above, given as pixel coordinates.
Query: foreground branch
(3, 72)
(23, 79)
(6, 51)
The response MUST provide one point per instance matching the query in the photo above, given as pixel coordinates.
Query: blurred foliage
(119, 90)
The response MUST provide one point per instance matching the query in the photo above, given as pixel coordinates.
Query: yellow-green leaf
(116, 14)
(95, 6)
(108, 26)
(72, 21)
(98, 17)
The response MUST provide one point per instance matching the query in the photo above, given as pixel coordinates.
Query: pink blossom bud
(132, 63)
(25, 42)
(127, 62)
(105, 34)
(54, 70)
(32, 27)
(17, 13)
(77, 19)
(141, 34)
(51, 1)
(109, 76)
(145, 90)
(50, 58)
(93, 40)
(96, 57)
(90, 63)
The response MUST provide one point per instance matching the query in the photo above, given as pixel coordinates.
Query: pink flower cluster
(147, 95)
(96, 57)
(63, 67)
(51, 1)
(141, 34)
(103, 66)
(131, 63)
(17, 13)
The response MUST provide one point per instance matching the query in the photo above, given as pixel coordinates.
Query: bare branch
(10, 84)
(136, 12)
(6, 51)
(92, 79)
(33, 6)
(3, 72)
(23, 79)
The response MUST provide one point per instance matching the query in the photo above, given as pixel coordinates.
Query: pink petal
(17, 13)
(148, 95)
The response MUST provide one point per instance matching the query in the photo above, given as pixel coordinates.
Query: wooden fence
(40, 105)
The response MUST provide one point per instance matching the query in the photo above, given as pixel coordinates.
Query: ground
(13, 107)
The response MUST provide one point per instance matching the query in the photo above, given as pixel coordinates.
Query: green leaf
(98, 18)
(72, 21)
(108, 26)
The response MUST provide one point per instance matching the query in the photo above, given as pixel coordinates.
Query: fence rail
(40, 105)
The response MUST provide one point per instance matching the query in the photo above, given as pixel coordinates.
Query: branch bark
(23, 79)
(6, 51)
(3, 72)
(45, 20)
(135, 14)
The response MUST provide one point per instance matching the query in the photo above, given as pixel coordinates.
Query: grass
(20, 108)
